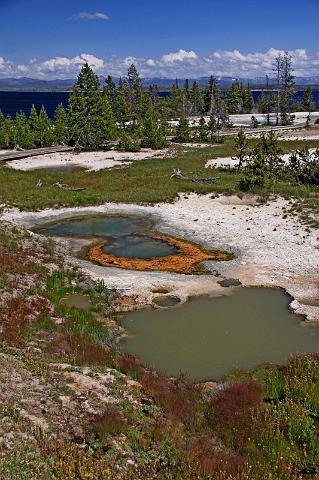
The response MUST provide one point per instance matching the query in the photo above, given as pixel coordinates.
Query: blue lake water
(12, 102)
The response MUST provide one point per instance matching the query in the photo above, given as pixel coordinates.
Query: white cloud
(65, 65)
(180, 64)
(90, 16)
(6, 67)
(128, 61)
(150, 62)
(179, 56)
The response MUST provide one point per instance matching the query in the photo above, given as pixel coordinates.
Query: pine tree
(153, 91)
(108, 127)
(202, 130)
(182, 131)
(254, 173)
(2, 124)
(307, 102)
(33, 119)
(121, 105)
(241, 148)
(22, 132)
(214, 104)
(210, 95)
(269, 147)
(110, 90)
(44, 133)
(152, 131)
(86, 111)
(7, 136)
(186, 99)
(60, 125)
(176, 100)
(212, 127)
(247, 100)
(6, 125)
(197, 99)
(234, 98)
(40, 127)
(186, 91)
(135, 95)
(285, 87)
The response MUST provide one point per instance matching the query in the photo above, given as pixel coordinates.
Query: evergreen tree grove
(91, 120)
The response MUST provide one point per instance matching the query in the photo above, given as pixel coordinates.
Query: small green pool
(124, 235)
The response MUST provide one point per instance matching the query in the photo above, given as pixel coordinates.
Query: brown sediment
(186, 261)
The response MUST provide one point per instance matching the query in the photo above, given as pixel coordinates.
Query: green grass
(84, 323)
(147, 181)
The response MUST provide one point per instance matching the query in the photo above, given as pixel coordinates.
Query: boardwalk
(17, 155)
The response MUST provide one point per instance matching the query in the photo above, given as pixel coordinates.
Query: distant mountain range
(34, 84)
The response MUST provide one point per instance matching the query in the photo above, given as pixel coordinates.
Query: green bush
(128, 144)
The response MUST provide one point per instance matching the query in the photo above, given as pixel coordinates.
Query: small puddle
(76, 300)
(209, 337)
(311, 302)
(166, 301)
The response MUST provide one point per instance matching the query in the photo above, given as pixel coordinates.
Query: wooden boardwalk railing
(16, 155)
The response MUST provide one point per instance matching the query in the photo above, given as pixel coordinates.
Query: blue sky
(35, 32)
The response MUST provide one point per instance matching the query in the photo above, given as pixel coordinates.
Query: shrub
(110, 423)
(153, 132)
(19, 317)
(182, 131)
(130, 366)
(273, 380)
(71, 462)
(254, 173)
(217, 139)
(16, 263)
(302, 382)
(177, 398)
(211, 459)
(80, 350)
(304, 166)
(230, 412)
(128, 144)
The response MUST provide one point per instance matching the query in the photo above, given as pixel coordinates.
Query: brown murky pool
(208, 337)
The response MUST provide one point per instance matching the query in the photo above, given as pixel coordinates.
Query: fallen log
(202, 179)
(177, 173)
(64, 186)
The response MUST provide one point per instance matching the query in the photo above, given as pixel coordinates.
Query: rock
(230, 282)
(86, 284)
